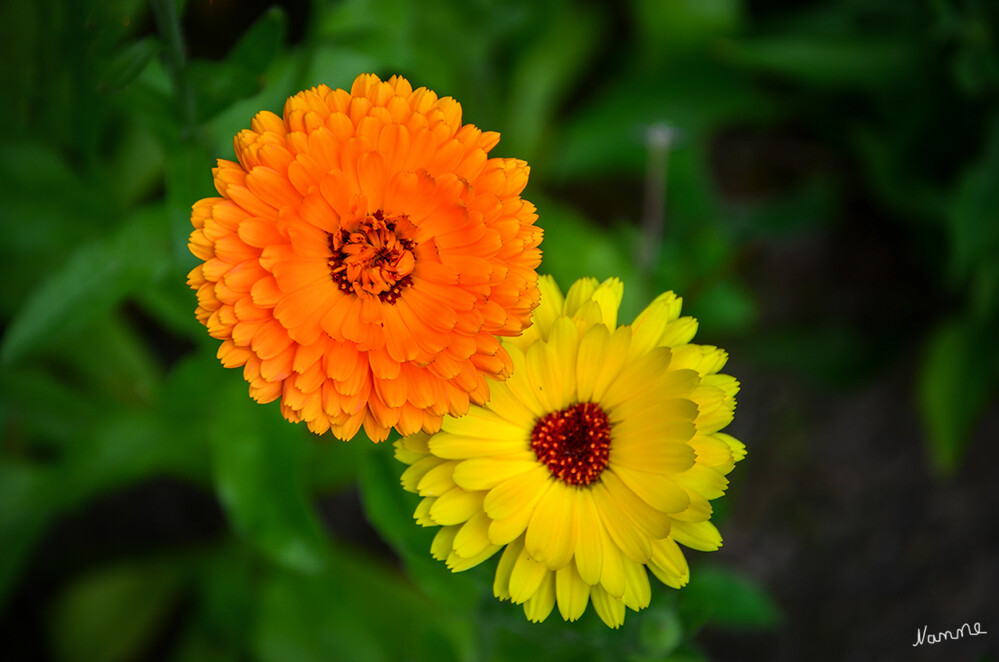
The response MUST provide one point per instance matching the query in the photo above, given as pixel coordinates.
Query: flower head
(590, 463)
(363, 256)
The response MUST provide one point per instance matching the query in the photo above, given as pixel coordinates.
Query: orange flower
(363, 256)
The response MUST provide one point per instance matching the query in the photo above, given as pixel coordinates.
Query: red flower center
(574, 443)
(374, 255)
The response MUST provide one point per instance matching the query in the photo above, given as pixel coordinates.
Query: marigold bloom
(363, 256)
(590, 463)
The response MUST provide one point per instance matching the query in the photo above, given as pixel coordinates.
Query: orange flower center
(574, 443)
(374, 256)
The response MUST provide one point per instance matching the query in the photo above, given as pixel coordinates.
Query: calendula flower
(362, 257)
(590, 464)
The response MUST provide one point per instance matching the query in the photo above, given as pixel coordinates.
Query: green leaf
(661, 631)
(390, 510)
(574, 247)
(545, 74)
(261, 42)
(188, 179)
(127, 66)
(218, 84)
(973, 217)
(95, 278)
(957, 378)
(828, 61)
(27, 495)
(259, 475)
(725, 598)
(331, 617)
(115, 613)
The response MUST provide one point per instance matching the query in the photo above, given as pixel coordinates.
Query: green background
(827, 205)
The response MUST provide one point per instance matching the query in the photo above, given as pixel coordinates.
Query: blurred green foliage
(109, 130)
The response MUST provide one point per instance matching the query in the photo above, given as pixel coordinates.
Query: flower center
(574, 443)
(374, 255)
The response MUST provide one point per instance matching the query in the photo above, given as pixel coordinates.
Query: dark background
(830, 218)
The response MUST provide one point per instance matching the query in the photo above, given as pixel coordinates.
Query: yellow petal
(625, 535)
(608, 296)
(412, 476)
(509, 408)
(703, 480)
(517, 493)
(655, 489)
(636, 378)
(442, 545)
(640, 515)
(589, 540)
(472, 537)
(637, 592)
(668, 563)
(437, 481)
(542, 602)
(545, 376)
(526, 577)
(679, 332)
(701, 536)
(520, 386)
(579, 292)
(456, 563)
(571, 592)
(609, 608)
(456, 506)
(501, 584)
(422, 512)
(550, 306)
(485, 473)
(480, 423)
(738, 448)
(610, 363)
(651, 323)
(590, 361)
(551, 533)
(460, 447)
(564, 340)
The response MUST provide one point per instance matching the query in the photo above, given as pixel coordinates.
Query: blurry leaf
(226, 590)
(974, 213)
(261, 42)
(661, 631)
(129, 64)
(260, 480)
(219, 84)
(574, 248)
(545, 73)
(96, 276)
(607, 136)
(806, 207)
(683, 24)
(725, 307)
(825, 61)
(956, 380)
(114, 614)
(26, 506)
(188, 179)
(725, 598)
(362, 612)
(390, 510)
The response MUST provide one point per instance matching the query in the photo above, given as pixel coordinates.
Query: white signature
(936, 638)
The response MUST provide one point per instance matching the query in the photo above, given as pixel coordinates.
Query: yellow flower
(598, 455)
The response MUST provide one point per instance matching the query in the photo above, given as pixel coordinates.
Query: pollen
(375, 256)
(574, 443)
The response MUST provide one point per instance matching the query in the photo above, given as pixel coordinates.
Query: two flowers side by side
(369, 265)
